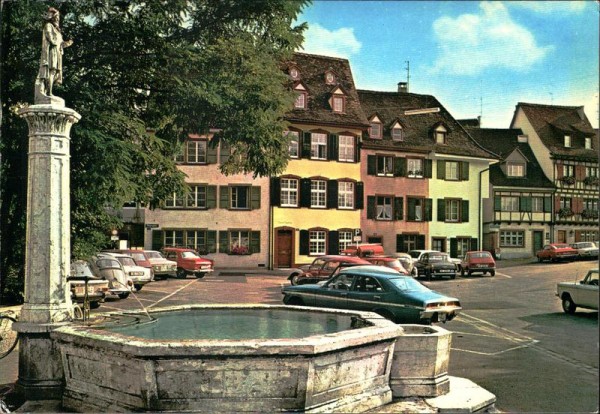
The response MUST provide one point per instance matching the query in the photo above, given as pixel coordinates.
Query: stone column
(48, 249)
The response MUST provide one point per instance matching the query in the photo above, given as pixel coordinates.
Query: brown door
(562, 236)
(284, 248)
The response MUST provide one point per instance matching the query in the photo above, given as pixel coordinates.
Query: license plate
(445, 271)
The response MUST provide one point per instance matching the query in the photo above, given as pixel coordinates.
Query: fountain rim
(380, 329)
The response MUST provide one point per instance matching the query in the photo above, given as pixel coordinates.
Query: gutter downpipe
(479, 220)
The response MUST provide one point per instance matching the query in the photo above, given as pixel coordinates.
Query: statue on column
(50, 72)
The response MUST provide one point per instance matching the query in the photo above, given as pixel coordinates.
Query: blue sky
(475, 57)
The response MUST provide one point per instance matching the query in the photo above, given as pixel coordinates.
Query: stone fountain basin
(342, 371)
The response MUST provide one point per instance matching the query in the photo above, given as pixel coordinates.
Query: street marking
(499, 352)
(502, 274)
(174, 293)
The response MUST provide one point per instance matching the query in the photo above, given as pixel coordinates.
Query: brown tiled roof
(552, 123)
(391, 106)
(503, 142)
(312, 70)
(470, 122)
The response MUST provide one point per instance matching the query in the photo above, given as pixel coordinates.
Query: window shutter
(223, 241)
(441, 170)
(497, 203)
(453, 247)
(225, 152)
(411, 204)
(359, 195)
(556, 203)
(157, 239)
(211, 241)
(356, 149)
(371, 165)
(524, 203)
(333, 246)
(399, 167)
(420, 241)
(224, 196)
(427, 168)
(398, 208)
(559, 170)
(577, 205)
(211, 153)
(300, 141)
(428, 207)
(400, 243)
(211, 196)
(255, 197)
(547, 204)
(441, 204)
(332, 194)
(464, 171)
(306, 143)
(304, 242)
(464, 211)
(371, 207)
(305, 192)
(275, 191)
(255, 242)
(332, 148)
(579, 172)
(474, 244)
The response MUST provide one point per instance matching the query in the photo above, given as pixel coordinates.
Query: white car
(105, 266)
(585, 250)
(582, 294)
(162, 267)
(139, 275)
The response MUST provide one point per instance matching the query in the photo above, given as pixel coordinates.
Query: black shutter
(411, 204)
(464, 211)
(427, 168)
(305, 192)
(474, 244)
(223, 241)
(441, 170)
(255, 197)
(300, 141)
(400, 243)
(225, 152)
(211, 153)
(371, 207)
(524, 203)
(498, 203)
(211, 241)
(254, 242)
(275, 191)
(223, 196)
(464, 171)
(371, 164)
(332, 148)
(441, 216)
(453, 247)
(211, 196)
(306, 144)
(332, 194)
(398, 208)
(304, 242)
(420, 242)
(547, 204)
(356, 149)
(428, 207)
(157, 239)
(399, 167)
(359, 196)
(333, 246)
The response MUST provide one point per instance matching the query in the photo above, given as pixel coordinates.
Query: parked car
(97, 288)
(399, 298)
(188, 262)
(387, 261)
(321, 268)
(478, 262)
(435, 264)
(406, 262)
(586, 250)
(162, 267)
(582, 294)
(416, 256)
(139, 256)
(105, 266)
(139, 275)
(556, 251)
(364, 250)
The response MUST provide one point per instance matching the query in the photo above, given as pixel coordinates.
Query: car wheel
(453, 276)
(493, 273)
(428, 274)
(138, 287)
(180, 273)
(124, 295)
(296, 301)
(539, 259)
(415, 272)
(462, 271)
(568, 305)
(469, 273)
(94, 305)
(199, 275)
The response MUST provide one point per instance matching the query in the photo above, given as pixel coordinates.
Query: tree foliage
(174, 67)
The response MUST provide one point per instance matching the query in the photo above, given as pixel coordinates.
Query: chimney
(403, 87)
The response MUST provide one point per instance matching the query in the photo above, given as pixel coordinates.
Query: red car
(322, 268)
(188, 262)
(391, 262)
(478, 262)
(557, 251)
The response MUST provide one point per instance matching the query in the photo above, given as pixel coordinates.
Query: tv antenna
(407, 74)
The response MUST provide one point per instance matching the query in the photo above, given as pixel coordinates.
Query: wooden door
(284, 248)
(538, 241)
(561, 236)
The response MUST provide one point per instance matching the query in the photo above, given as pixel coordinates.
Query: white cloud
(338, 43)
(472, 43)
(549, 7)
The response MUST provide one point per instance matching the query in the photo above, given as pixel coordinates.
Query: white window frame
(174, 201)
(385, 165)
(384, 210)
(452, 211)
(345, 239)
(196, 197)
(375, 130)
(512, 238)
(293, 146)
(567, 141)
(441, 134)
(515, 170)
(173, 238)
(316, 242)
(196, 151)
(566, 202)
(318, 146)
(234, 200)
(591, 171)
(590, 204)
(195, 239)
(318, 194)
(289, 192)
(588, 143)
(398, 133)
(346, 148)
(452, 170)
(414, 165)
(509, 203)
(463, 245)
(568, 170)
(301, 99)
(537, 204)
(338, 103)
(345, 195)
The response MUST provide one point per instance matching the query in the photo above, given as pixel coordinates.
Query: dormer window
(375, 128)
(338, 101)
(440, 134)
(302, 98)
(522, 138)
(397, 132)
(567, 141)
(588, 143)
(329, 78)
(515, 170)
(294, 73)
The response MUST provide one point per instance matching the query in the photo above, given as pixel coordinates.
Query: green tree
(171, 67)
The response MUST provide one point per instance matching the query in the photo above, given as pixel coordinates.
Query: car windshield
(138, 257)
(560, 246)
(189, 255)
(480, 255)
(393, 263)
(126, 261)
(582, 245)
(154, 255)
(408, 284)
(414, 254)
(437, 257)
(107, 263)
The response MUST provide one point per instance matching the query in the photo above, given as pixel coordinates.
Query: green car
(399, 298)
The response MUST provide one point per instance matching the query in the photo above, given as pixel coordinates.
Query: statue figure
(50, 72)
